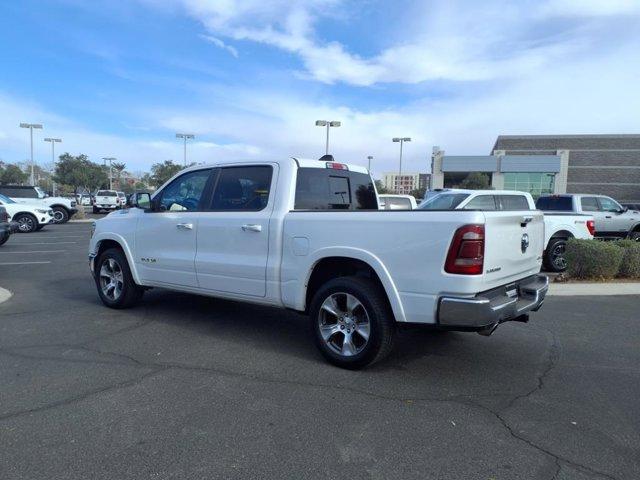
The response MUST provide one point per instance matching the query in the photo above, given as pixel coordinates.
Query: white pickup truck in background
(558, 226)
(308, 235)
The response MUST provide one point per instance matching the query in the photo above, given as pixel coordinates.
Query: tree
(161, 172)
(418, 193)
(12, 174)
(80, 173)
(476, 181)
(380, 187)
(119, 168)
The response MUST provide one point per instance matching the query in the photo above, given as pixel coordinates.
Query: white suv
(63, 208)
(29, 217)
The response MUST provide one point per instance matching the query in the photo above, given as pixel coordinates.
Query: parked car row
(63, 208)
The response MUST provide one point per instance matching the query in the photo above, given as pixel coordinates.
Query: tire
(39, 227)
(113, 269)
(96, 210)
(554, 260)
(635, 236)
(4, 237)
(27, 223)
(367, 311)
(60, 215)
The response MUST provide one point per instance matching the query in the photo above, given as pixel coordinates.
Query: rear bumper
(488, 309)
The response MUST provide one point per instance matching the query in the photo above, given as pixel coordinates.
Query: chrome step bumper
(487, 310)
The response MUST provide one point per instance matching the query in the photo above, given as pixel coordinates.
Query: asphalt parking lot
(190, 387)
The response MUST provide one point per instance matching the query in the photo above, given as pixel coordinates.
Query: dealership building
(542, 164)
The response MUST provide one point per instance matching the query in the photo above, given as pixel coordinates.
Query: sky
(249, 78)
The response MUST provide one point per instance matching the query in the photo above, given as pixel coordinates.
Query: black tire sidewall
(380, 318)
(548, 255)
(130, 291)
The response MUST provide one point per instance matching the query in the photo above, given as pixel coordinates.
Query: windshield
(444, 201)
(5, 199)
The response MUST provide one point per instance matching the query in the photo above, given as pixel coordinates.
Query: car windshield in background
(444, 201)
(106, 193)
(5, 199)
(561, 204)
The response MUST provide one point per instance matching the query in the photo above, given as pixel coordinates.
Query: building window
(536, 183)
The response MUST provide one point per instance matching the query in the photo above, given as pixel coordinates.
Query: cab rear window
(332, 189)
(106, 193)
(559, 204)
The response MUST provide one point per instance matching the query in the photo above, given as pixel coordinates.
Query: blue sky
(249, 78)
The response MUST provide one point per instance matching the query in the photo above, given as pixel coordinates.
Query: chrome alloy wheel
(26, 224)
(344, 324)
(557, 256)
(111, 279)
(58, 216)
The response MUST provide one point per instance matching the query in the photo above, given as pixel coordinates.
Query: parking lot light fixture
(369, 167)
(31, 126)
(53, 142)
(185, 137)
(401, 140)
(328, 124)
(110, 160)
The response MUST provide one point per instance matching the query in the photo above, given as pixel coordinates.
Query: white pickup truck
(559, 227)
(307, 235)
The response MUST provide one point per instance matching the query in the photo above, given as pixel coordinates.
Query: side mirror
(141, 200)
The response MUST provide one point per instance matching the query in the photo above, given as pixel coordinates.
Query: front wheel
(114, 281)
(27, 223)
(635, 236)
(554, 259)
(60, 215)
(352, 323)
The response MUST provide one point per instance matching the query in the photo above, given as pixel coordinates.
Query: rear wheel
(352, 323)
(60, 215)
(27, 223)
(554, 259)
(96, 210)
(635, 236)
(114, 281)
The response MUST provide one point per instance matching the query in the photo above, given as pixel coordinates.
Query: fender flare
(357, 254)
(125, 248)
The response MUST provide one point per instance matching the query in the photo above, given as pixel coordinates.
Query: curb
(593, 289)
(4, 295)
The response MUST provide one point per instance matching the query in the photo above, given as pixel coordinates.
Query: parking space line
(61, 236)
(45, 243)
(39, 251)
(22, 263)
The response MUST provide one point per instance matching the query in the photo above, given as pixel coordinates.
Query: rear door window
(589, 204)
(330, 189)
(513, 202)
(242, 188)
(481, 202)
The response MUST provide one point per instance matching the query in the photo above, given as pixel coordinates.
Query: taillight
(591, 226)
(466, 253)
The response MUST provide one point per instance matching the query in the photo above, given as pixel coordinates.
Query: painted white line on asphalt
(46, 243)
(22, 263)
(4, 294)
(39, 251)
(594, 289)
(44, 237)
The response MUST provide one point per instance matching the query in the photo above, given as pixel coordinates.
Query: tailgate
(514, 242)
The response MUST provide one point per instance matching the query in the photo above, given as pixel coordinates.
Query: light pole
(53, 157)
(369, 167)
(185, 136)
(328, 124)
(110, 160)
(31, 126)
(401, 140)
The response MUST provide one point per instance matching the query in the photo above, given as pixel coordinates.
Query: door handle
(252, 228)
(185, 226)
(608, 216)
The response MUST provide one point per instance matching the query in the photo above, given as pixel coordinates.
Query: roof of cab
(300, 162)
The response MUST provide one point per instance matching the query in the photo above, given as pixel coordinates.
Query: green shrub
(593, 259)
(630, 267)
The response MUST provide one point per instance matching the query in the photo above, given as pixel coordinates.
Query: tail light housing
(591, 226)
(466, 253)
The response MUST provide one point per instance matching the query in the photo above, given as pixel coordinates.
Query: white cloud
(220, 44)
(591, 7)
